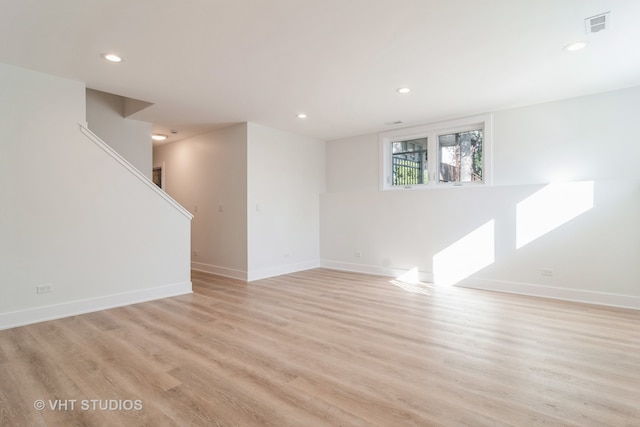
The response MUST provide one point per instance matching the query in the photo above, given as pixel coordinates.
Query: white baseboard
(73, 308)
(265, 273)
(567, 294)
(220, 271)
(254, 274)
(373, 269)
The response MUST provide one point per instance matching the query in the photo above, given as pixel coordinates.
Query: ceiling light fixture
(576, 46)
(111, 57)
(302, 116)
(403, 90)
(158, 137)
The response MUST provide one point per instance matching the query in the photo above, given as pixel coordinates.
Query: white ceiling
(208, 63)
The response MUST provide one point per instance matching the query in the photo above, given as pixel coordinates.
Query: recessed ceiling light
(111, 57)
(158, 137)
(403, 90)
(301, 116)
(576, 46)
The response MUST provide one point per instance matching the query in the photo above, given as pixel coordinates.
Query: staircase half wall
(75, 218)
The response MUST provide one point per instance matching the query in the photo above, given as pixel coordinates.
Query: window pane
(460, 157)
(409, 162)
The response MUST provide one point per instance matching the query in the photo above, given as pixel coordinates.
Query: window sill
(435, 187)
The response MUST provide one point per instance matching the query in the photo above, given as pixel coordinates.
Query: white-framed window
(451, 153)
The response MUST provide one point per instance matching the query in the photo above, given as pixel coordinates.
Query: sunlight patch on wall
(465, 257)
(550, 207)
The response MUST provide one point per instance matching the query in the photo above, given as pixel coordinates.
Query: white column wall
(285, 179)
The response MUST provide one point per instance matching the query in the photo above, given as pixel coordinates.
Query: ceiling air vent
(598, 23)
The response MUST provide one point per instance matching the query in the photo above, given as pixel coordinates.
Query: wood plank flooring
(327, 348)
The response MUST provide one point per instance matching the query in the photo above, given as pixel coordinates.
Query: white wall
(71, 216)
(593, 256)
(285, 179)
(130, 138)
(208, 175)
(256, 192)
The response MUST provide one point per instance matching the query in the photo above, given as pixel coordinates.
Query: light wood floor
(329, 348)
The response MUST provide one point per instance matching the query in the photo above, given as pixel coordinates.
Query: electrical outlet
(44, 289)
(546, 272)
(357, 254)
(196, 253)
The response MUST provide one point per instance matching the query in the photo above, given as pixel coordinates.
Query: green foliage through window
(461, 157)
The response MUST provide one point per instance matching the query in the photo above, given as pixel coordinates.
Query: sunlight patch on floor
(410, 282)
